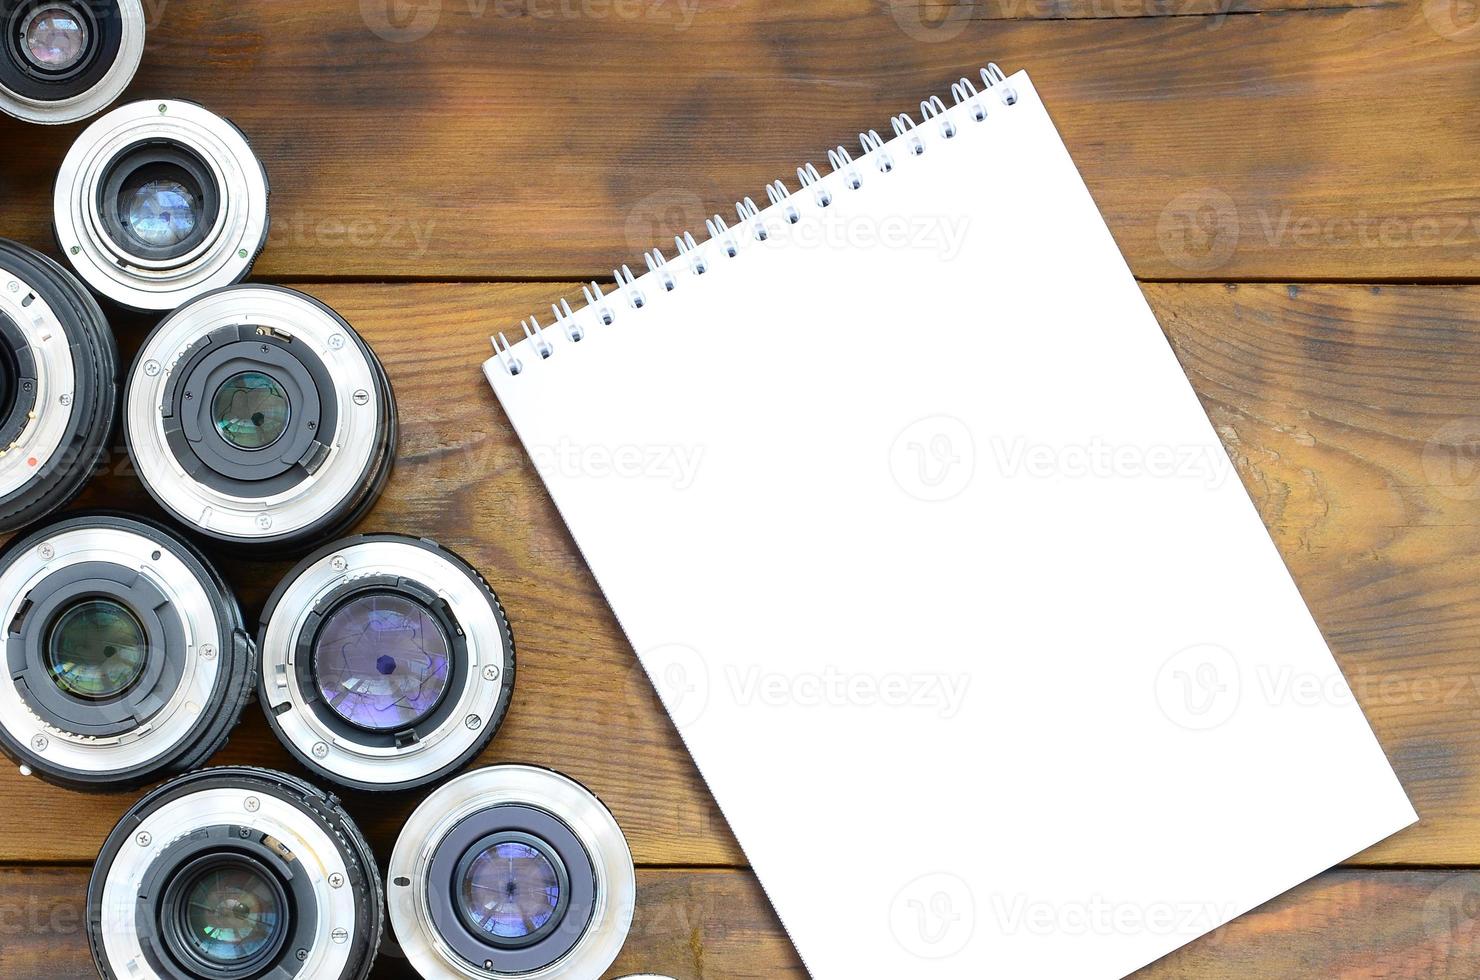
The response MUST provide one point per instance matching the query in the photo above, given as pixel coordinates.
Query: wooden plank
(687, 924)
(581, 704)
(1350, 412)
(1318, 144)
(1393, 925)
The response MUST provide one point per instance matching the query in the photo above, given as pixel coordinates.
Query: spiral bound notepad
(917, 526)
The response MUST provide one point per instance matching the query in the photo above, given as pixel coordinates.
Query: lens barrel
(258, 417)
(126, 659)
(65, 60)
(235, 874)
(58, 385)
(387, 662)
(160, 202)
(511, 871)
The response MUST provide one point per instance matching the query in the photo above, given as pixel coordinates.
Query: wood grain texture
(557, 138)
(1353, 414)
(688, 924)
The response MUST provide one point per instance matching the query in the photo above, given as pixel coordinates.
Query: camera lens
(58, 385)
(387, 662)
(235, 874)
(511, 871)
(65, 60)
(160, 202)
(125, 654)
(258, 416)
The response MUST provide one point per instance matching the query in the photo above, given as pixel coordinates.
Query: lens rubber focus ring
(95, 389)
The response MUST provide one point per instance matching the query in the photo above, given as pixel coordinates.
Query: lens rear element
(251, 410)
(381, 661)
(55, 38)
(96, 649)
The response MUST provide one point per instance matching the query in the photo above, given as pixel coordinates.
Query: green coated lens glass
(232, 915)
(97, 649)
(251, 410)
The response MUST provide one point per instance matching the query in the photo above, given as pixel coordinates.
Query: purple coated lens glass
(511, 890)
(381, 662)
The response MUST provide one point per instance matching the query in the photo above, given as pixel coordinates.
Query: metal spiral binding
(963, 92)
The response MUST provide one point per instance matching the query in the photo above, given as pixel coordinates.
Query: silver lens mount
(540, 822)
(58, 385)
(212, 844)
(160, 202)
(387, 662)
(257, 416)
(125, 654)
(65, 60)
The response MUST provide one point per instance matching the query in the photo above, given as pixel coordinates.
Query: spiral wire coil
(749, 217)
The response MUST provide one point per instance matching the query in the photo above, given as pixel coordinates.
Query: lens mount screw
(490, 673)
(320, 750)
(302, 955)
(264, 521)
(208, 651)
(253, 804)
(163, 108)
(362, 397)
(336, 880)
(39, 743)
(340, 935)
(151, 368)
(13, 286)
(47, 552)
(336, 341)
(338, 563)
(144, 840)
(473, 722)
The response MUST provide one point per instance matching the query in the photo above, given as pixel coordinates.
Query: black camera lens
(65, 60)
(235, 874)
(387, 662)
(58, 385)
(257, 415)
(160, 202)
(125, 654)
(508, 872)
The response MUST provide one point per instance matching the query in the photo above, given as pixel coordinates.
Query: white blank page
(945, 578)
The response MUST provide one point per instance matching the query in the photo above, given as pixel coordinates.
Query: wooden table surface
(1294, 181)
